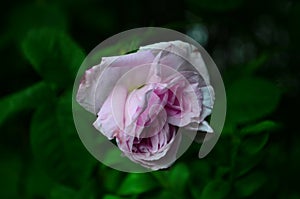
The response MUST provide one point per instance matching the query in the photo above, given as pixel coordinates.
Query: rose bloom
(142, 99)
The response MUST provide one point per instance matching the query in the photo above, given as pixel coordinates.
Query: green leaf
(10, 170)
(54, 55)
(167, 195)
(62, 192)
(246, 163)
(38, 183)
(136, 184)
(201, 170)
(179, 176)
(216, 189)
(254, 64)
(24, 99)
(111, 197)
(250, 99)
(259, 128)
(254, 144)
(56, 145)
(35, 15)
(249, 184)
(111, 178)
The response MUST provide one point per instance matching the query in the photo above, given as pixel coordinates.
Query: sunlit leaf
(54, 55)
(136, 184)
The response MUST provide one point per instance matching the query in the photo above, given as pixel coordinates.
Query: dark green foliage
(136, 184)
(250, 99)
(57, 59)
(63, 157)
(216, 189)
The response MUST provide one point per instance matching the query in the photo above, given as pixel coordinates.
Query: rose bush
(142, 99)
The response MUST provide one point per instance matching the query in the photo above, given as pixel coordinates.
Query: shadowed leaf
(54, 55)
(24, 99)
(136, 184)
(250, 99)
(56, 145)
(249, 184)
(259, 127)
(179, 176)
(216, 189)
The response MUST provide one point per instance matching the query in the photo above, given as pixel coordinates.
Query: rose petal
(87, 88)
(111, 115)
(101, 79)
(161, 159)
(177, 52)
(207, 99)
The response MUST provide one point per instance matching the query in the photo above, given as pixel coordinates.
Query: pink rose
(141, 99)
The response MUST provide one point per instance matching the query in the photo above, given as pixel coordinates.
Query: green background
(254, 44)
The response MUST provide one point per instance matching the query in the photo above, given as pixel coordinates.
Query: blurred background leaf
(250, 184)
(216, 189)
(57, 59)
(24, 99)
(10, 169)
(250, 99)
(56, 145)
(136, 184)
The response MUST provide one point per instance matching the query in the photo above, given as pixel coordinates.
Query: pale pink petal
(100, 80)
(179, 51)
(87, 88)
(164, 158)
(145, 113)
(188, 100)
(208, 98)
(110, 118)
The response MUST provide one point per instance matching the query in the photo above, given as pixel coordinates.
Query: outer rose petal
(181, 56)
(111, 119)
(100, 80)
(87, 88)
